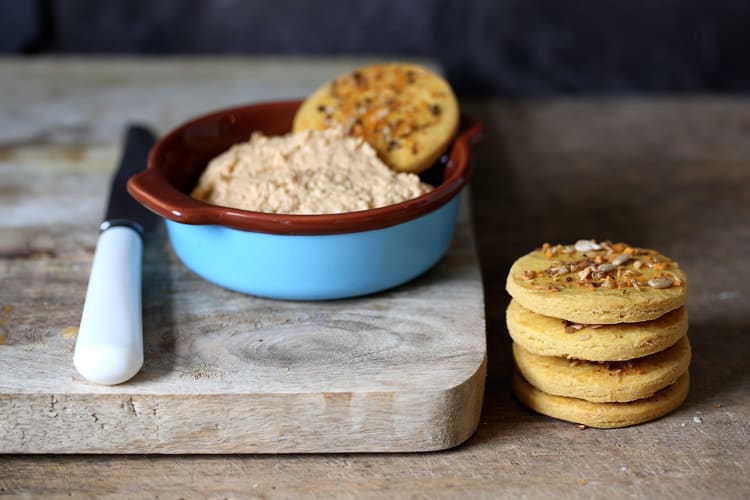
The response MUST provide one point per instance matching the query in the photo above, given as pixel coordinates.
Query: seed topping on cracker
(596, 265)
(379, 113)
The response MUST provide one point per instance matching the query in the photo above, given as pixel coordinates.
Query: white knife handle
(109, 347)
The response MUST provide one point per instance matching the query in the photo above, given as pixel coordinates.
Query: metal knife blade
(122, 209)
(109, 346)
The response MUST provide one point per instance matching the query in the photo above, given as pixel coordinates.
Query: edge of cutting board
(396, 421)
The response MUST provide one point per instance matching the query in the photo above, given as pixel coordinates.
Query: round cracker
(534, 281)
(604, 382)
(602, 415)
(547, 336)
(407, 113)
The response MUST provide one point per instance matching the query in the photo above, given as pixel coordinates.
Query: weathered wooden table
(671, 173)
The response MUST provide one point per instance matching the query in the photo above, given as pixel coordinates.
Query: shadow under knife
(159, 333)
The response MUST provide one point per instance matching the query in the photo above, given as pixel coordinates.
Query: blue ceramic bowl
(300, 257)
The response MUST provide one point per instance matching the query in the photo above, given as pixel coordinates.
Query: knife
(109, 346)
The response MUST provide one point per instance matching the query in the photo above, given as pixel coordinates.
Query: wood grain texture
(670, 173)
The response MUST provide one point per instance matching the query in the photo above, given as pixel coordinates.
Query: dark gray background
(505, 47)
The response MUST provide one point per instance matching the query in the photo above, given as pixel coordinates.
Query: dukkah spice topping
(607, 265)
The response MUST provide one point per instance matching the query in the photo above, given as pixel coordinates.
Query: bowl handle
(152, 190)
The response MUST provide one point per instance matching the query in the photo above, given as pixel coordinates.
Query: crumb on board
(70, 332)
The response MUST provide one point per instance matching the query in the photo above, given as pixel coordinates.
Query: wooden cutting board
(403, 370)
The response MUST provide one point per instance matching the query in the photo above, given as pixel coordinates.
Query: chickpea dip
(308, 172)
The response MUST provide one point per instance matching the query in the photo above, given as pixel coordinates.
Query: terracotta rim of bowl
(154, 189)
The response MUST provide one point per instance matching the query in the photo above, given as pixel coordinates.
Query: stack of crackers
(600, 333)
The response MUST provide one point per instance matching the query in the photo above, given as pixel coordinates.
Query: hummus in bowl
(309, 172)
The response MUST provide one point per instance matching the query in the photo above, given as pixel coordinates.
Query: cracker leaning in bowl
(405, 111)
